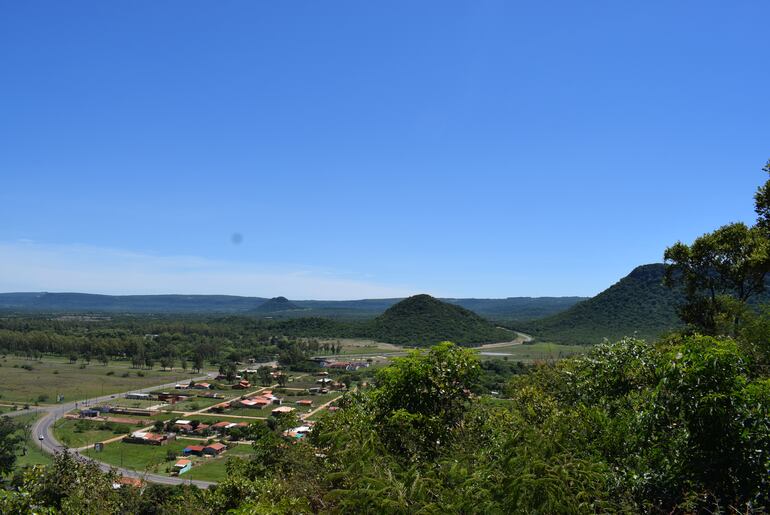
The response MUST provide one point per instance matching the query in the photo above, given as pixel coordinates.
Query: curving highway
(44, 427)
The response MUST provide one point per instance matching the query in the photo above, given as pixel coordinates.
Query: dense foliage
(423, 320)
(637, 304)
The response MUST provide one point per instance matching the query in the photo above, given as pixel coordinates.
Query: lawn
(194, 404)
(146, 458)
(353, 347)
(540, 351)
(79, 433)
(216, 469)
(251, 412)
(53, 376)
(150, 458)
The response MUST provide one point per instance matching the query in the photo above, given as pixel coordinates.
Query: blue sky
(370, 149)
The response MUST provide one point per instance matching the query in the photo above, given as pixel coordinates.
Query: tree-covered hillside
(637, 304)
(277, 304)
(423, 320)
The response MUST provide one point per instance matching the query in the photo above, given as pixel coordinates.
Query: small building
(197, 450)
(182, 466)
(215, 449)
(305, 403)
(147, 438)
(242, 385)
(297, 432)
(202, 386)
(283, 410)
(172, 397)
(202, 428)
(124, 481)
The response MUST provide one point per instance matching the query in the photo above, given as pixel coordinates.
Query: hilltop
(637, 304)
(277, 304)
(424, 320)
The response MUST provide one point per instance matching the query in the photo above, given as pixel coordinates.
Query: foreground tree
(11, 439)
(719, 272)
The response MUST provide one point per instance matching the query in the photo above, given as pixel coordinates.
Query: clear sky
(368, 149)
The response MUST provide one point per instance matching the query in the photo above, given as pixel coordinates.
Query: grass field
(352, 347)
(540, 351)
(79, 433)
(216, 469)
(145, 458)
(53, 376)
(213, 418)
(251, 412)
(149, 458)
(193, 404)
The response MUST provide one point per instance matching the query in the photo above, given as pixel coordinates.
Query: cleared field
(52, 376)
(192, 404)
(145, 458)
(540, 351)
(351, 347)
(79, 433)
(251, 412)
(216, 469)
(149, 458)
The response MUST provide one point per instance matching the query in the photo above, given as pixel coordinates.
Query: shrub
(111, 373)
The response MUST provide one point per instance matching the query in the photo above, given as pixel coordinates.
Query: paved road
(44, 427)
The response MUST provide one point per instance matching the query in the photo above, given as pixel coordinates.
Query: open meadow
(531, 352)
(25, 380)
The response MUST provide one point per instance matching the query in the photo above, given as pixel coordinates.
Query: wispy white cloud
(30, 266)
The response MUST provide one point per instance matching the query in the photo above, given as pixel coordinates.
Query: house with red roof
(214, 449)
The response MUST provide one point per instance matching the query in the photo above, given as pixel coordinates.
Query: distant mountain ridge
(513, 308)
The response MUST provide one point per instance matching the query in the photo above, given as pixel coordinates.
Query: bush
(55, 371)
(125, 374)
(111, 373)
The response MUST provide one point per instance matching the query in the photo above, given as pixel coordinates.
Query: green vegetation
(277, 304)
(422, 320)
(144, 458)
(37, 382)
(638, 304)
(79, 433)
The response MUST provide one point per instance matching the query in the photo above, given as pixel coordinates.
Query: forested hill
(277, 304)
(637, 304)
(423, 320)
(513, 308)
